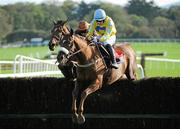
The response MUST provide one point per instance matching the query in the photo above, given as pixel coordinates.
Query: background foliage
(138, 19)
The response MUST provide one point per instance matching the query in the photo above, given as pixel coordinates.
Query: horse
(90, 65)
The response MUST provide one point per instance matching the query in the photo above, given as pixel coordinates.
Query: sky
(119, 2)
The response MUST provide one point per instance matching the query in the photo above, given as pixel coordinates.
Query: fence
(46, 103)
(161, 67)
(173, 63)
(24, 66)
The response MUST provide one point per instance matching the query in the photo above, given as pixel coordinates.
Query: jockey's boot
(112, 56)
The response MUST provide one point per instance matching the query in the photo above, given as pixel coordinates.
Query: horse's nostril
(51, 46)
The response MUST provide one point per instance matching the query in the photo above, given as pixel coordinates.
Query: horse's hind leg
(131, 72)
(74, 100)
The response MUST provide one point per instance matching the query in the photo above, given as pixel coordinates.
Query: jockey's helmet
(99, 15)
(83, 25)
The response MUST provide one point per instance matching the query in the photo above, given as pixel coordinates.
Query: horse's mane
(82, 38)
(79, 36)
(59, 22)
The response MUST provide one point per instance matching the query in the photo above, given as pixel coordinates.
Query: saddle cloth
(118, 53)
(119, 56)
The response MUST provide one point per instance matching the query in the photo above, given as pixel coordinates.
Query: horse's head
(58, 32)
(63, 36)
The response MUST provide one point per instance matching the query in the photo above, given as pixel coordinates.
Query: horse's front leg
(92, 88)
(74, 100)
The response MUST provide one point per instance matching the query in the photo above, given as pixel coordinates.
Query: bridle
(60, 38)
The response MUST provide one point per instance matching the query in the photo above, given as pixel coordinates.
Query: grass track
(153, 69)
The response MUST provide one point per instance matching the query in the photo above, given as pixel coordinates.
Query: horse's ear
(64, 22)
(71, 32)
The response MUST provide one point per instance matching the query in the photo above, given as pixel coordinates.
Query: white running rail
(141, 71)
(24, 66)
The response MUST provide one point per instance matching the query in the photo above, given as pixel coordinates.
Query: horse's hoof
(75, 118)
(81, 119)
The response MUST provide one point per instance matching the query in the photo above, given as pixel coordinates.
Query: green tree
(5, 23)
(70, 9)
(174, 15)
(50, 13)
(138, 20)
(143, 8)
(20, 35)
(146, 32)
(165, 27)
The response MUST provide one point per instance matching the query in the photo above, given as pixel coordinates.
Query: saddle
(106, 56)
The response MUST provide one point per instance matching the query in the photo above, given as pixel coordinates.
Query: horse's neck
(86, 50)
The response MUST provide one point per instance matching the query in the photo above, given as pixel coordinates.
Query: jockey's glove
(89, 38)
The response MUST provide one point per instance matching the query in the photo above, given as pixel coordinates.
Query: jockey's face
(100, 22)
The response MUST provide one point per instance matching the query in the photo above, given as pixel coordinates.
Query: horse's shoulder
(122, 45)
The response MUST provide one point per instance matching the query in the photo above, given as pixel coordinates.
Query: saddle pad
(118, 53)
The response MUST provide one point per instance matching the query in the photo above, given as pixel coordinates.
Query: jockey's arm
(107, 33)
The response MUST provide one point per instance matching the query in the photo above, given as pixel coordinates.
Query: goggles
(99, 20)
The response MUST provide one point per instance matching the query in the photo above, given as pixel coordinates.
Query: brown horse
(90, 65)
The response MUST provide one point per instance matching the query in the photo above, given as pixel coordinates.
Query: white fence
(173, 63)
(161, 67)
(24, 66)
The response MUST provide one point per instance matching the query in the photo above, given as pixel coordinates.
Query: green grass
(36, 52)
(171, 50)
(153, 69)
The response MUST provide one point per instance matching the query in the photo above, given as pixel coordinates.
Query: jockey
(105, 29)
(82, 28)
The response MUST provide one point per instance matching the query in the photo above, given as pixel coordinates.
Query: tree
(50, 13)
(165, 27)
(5, 23)
(82, 10)
(138, 20)
(70, 9)
(174, 14)
(146, 32)
(143, 8)
(20, 35)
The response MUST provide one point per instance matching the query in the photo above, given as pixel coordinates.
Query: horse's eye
(64, 41)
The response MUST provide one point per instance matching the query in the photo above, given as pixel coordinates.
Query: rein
(76, 63)
(74, 53)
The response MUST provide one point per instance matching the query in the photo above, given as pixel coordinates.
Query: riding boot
(112, 56)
